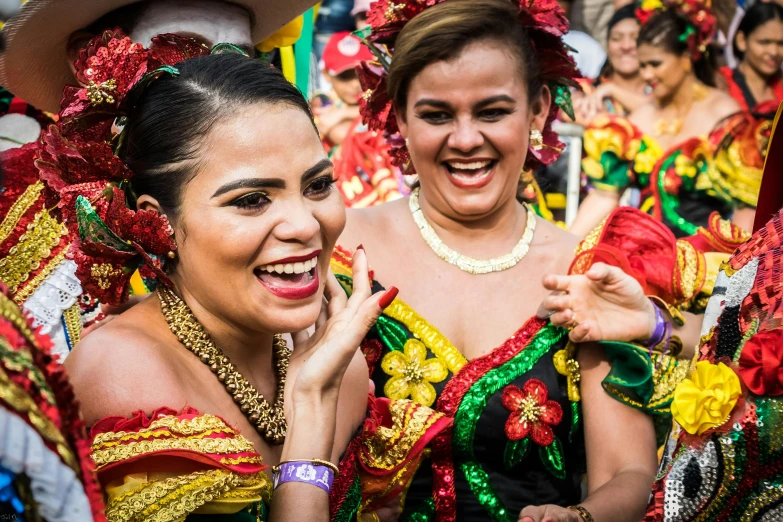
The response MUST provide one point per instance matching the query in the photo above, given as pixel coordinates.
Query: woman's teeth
(292, 268)
(475, 165)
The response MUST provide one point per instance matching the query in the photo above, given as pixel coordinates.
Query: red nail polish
(360, 247)
(388, 297)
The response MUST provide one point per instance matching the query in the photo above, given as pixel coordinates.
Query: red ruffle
(761, 363)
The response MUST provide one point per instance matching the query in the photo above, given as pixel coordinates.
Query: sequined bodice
(516, 439)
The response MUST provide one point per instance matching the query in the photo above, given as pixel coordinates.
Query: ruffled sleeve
(617, 155)
(740, 145)
(169, 465)
(380, 462)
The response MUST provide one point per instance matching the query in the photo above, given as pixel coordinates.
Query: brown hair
(442, 32)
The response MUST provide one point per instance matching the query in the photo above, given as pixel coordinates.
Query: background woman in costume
(661, 147)
(461, 90)
(247, 210)
(758, 46)
(620, 89)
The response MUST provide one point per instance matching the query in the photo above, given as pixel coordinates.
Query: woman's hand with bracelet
(604, 304)
(548, 513)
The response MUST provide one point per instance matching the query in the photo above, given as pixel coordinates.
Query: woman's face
(621, 47)
(663, 71)
(763, 48)
(258, 221)
(468, 123)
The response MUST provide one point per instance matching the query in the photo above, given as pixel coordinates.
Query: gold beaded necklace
(269, 421)
(465, 263)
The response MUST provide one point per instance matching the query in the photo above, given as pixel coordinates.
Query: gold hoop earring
(536, 139)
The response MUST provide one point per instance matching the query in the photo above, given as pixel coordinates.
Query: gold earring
(407, 142)
(536, 139)
(172, 254)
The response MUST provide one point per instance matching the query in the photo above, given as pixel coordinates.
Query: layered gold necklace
(465, 263)
(268, 420)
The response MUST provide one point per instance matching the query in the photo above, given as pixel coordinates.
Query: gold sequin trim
(19, 208)
(591, 239)
(19, 400)
(34, 246)
(11, 313)
(391, 446)
(428, 334)
(230, 461)
(110, 455)
(668, 372)
(73, 323)
(171, 499)
(566, 364)
(33, 284)
(186, 427)
(689, 269)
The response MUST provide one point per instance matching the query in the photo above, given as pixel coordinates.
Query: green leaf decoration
(227, 48)
(553, 458)
(93, 229)
(515, 452)
(391, 333)
(381, 56)
(363, 33)
(562, 96)
(576, 420)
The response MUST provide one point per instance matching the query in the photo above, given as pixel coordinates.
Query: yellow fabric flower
(283, 37)
(645, 161)
(412, 373)
(651, 5)
(705, 400)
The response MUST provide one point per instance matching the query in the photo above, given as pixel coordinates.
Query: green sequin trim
(576, 419)
(391, 333)
(670, 204)
(562, 96)
(425, 514)
(350, 505)
(93, 229)
(474, 402)
(553, 458)
(754, 327)
(515, 452)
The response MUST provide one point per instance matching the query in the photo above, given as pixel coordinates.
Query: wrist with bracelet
(316, 472)
(584, 515)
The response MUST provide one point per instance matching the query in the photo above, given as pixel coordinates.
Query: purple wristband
(659, 332)
(313, 474)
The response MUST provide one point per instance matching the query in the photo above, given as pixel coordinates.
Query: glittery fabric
(734, 472)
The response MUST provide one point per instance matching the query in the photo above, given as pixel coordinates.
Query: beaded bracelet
(583, 513)
(315, 472)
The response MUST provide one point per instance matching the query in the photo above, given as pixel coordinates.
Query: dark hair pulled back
(665, 30)
(442, 32)
(755, 17)
(165, 130)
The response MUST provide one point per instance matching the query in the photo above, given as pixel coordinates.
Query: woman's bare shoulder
(363, 225)
(560, 244)
(124, 366)
(720, 105)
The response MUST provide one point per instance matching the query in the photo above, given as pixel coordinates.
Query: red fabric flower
(761, 363)
(546, 15)
(531, 412)
(112, 56)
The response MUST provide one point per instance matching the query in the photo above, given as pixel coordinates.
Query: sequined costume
(724, 456)
(45, 469)
(186, 465)
(681, 186)
(488, 467)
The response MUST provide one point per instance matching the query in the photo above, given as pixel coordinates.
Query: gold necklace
(465, 263)
(269, 421)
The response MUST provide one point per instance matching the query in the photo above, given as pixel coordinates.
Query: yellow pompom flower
(705, 399)
(411, 373)
(651, 5)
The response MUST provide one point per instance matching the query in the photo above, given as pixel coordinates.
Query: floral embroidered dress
(517, 436)
(681, 186)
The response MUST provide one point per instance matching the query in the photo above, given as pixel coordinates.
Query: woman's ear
(741, 43)
(402, 123)
(146, 202)
(539, 109)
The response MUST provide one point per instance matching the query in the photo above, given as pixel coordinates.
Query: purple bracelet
(302, 471)
(659, 332)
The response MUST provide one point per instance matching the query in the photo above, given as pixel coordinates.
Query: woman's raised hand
(548, 513)
(604, 304)
(339, 331)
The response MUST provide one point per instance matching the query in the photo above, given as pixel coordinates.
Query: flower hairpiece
(702, 23)
(86, 182)
(546, 23)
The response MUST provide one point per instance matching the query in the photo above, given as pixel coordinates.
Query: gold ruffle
(201, 425)
(110, 455)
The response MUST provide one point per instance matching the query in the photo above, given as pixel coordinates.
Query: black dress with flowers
(517, 438)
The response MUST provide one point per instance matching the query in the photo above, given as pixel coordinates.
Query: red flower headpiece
(702, 23)
(85, 179)
(546, 23)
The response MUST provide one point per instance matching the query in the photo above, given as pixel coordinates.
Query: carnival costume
(683, 185)
(169, 464)
(740, 91)
(724, 457)
(45, 468)
(517, 437)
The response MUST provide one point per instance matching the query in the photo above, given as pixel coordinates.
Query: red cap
(344, 51)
